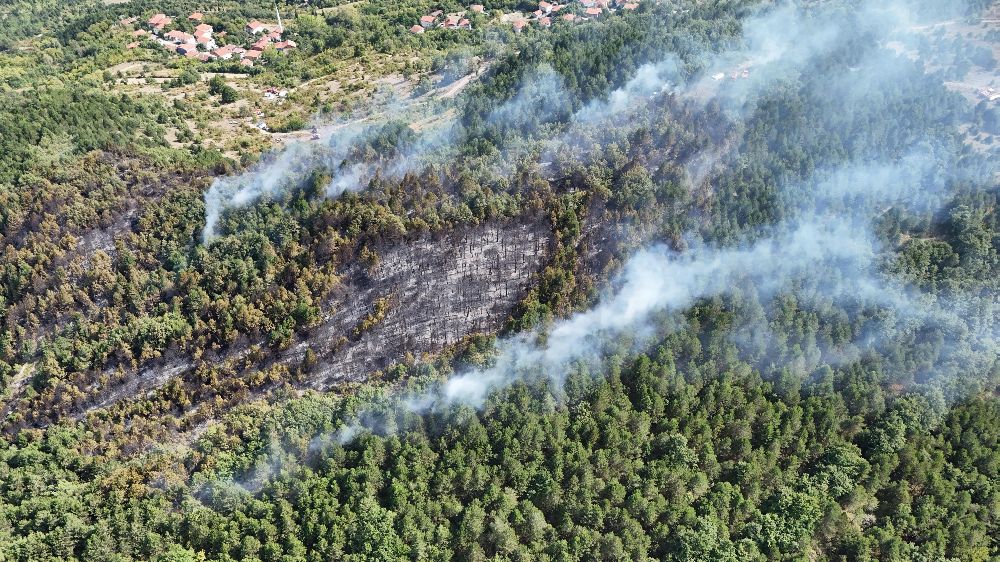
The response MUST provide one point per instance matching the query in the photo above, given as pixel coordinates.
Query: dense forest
(159, 392)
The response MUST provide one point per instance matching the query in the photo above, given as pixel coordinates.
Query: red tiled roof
(225, 51)
(196, 16)
(180, 36)
(417, 28)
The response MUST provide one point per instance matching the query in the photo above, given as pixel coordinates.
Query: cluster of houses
(201, 44)
(444, 21)
(589, 9)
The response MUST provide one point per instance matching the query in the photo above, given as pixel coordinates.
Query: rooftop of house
(178, 35)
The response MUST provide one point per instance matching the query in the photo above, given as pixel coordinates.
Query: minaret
(281, 28)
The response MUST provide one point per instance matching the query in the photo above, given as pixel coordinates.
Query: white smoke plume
(277, 173)
(831, 232)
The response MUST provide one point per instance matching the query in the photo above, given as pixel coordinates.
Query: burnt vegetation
(170, 399)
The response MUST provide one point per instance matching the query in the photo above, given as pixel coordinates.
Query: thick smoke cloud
(828, 245)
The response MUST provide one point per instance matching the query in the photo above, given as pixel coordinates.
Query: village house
(181, 38)
(568, 17)
(252, 54)
(132, 45)
(545, 7)
(158, 22)
(478, 8)
(592, 12)
(227, 52)
(256, 27)
(196, 16)
(427, 21)
(454, 21)
(128, 21)
(203, 34)
(545, 21)
(519, 25)
(285, 45)
(418, 29)
(630, 6)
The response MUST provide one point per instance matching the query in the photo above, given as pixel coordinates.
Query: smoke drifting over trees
(827, 242)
